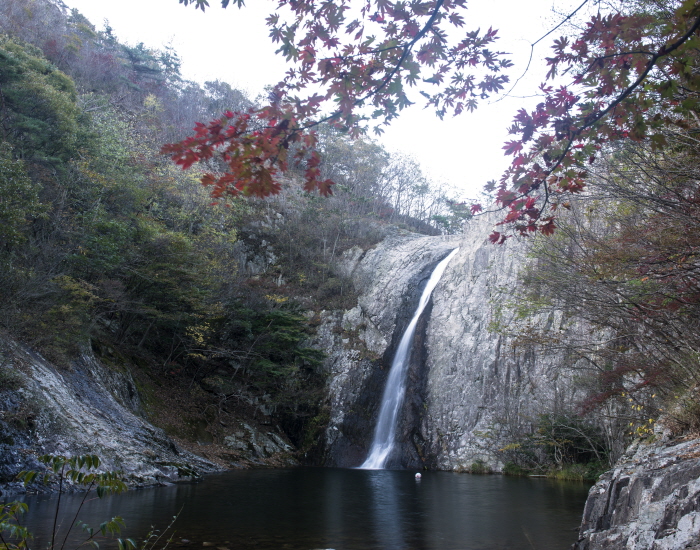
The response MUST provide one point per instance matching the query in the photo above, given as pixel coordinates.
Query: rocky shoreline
(650, 500)
(89, 408)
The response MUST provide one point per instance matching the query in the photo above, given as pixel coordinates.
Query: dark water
(345, 509)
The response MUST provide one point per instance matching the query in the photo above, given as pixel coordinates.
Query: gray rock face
(360, 341)
(649, 501)
(254, 446)
(466, 378)
(479, 382)
(87, 409)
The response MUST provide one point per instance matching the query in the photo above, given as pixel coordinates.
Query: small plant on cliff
(479, 467)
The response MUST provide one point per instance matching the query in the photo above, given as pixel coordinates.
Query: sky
(232, 45)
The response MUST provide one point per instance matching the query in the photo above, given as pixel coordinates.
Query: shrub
(479, 467)
(512, 469)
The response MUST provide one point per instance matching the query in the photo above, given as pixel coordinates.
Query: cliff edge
(650, 500)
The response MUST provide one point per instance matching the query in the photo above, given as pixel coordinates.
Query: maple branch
(532, 50)
(576, 133)
(618, 54)
(368, 52)
(650, 65)
(387, 79)
(407, 49)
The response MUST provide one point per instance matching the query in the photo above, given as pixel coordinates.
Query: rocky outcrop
(360, 341)
(468, 381)
(483, 385)
(649, 501)
(82, 409)
(257, 447)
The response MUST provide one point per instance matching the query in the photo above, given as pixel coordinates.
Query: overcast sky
(233, 45)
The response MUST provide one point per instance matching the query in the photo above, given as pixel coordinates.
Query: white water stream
(385, 432)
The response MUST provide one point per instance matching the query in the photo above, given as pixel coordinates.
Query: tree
(359, 62)
(624, 262)
(631, 71)
(38, 110)
(19, 199)
(81, 473)
(632, 74)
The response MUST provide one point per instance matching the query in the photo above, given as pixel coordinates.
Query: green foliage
(19, 200)
(80, 471)
(11, 526)
(567, 439)
(590, 471)
(512, 469)
(40, 117)
(683, 415)
(67, 319)
(313, 430)
(10, 379)
(277, 356)
(479, 467)
(556, 443)
(105, 246)
(452, 222)
(268, 350)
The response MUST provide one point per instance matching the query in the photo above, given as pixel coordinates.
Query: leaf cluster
(629, 76)
(39, 115)
(79, 471)
(350, 66)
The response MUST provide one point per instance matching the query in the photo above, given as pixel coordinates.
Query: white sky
(233, 45)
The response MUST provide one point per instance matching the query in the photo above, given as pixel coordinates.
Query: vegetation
(630, 77)
(629, 69)
(81, 473)
(479, 467)
(624, 264)
(564, 446)
(357, 66)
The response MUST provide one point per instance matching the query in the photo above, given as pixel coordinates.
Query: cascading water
(385, 432)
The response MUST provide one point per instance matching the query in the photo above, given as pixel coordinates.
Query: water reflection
(347, 509)
(389, 510)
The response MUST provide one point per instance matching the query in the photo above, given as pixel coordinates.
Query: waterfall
(385, 432)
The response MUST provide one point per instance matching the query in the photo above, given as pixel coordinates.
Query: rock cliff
(649, 501)
(467, 379)
(361, 341)
(90, 408)
(84, 409)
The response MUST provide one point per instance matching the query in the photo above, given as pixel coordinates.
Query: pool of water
(312, 508)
